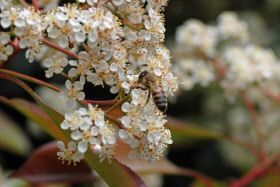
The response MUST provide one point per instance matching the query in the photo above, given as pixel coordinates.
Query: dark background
(203, 156)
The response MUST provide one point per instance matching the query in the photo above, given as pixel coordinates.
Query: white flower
(5, 49)
(74, 92)
(74, 120)
(4, 4)
(144, 130)
(230, 26)
(95, 79)
(90, 131)
(55, 64)
(69, 153)
(195, 35)
(82, 67)
(28, 28)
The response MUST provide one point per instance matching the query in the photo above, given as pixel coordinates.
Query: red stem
(36, 5)
(55, 46)
(199, 176)
(270, 94)
(103, 103)
(30, 79)
(253, 150)
(15, 45)
(221, 70)
(254, 115)
(24, 3)
(45, 84)
(255, 173)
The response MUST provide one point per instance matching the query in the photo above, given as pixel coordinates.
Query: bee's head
(142, 75)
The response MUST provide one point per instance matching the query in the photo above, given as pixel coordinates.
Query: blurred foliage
(12, 138)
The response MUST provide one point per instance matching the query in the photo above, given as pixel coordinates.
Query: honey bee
(149, 82)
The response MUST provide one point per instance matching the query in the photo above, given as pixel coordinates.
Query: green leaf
(15, 183)
(269, 180)
(214, 184)
(121, 175)
(12, 138)
(36, 114)
(56, 116)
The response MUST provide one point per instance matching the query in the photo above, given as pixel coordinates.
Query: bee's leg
(149, 95)
(143, 88)
(140, 87)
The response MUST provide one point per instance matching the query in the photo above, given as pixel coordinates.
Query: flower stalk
(257, 172)
(256, 121)
(55, 46)
(36, 5)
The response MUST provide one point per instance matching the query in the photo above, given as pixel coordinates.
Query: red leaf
(43, 166)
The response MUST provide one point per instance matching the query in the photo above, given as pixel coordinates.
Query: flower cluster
(27, 25)
(194, 35)
(249, 66)
(89, 131)
(109, 43)
(198, 44)
(117, 39)
(144, 129)
(224, 53)
(230, 56)
(141, 127)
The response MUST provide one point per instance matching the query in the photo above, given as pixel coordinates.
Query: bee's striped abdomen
(160, 100)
